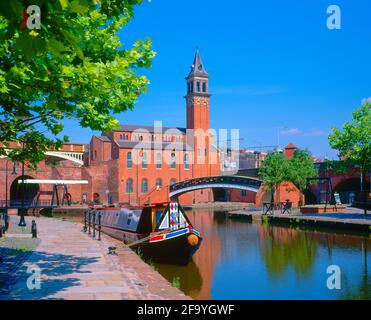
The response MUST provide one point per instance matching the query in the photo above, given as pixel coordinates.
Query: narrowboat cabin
(162, 232)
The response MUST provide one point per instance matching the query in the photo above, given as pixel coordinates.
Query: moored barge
(162, 232)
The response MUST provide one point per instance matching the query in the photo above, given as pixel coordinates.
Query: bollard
(93, 224)
(89, 218)
(85, 221)
(34, 229)
(6, 218)
(99, 226)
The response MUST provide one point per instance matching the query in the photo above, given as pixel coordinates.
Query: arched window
(141, 138)
(186, 162)
(144, 160)
(95, 154)
(158, 161)
(159, 182)
(172, 161)
(144, 186)
(129, 185)
(198, 87)
(172, 181)
(204, 87)
(129, 160)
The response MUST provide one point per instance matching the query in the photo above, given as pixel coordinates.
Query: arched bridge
(230, 182)
(77, 157)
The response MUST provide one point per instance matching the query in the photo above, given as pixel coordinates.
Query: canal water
(241, 260)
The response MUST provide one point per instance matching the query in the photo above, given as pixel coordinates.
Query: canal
(241, 260)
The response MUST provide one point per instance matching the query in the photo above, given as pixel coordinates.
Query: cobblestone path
(74, 266)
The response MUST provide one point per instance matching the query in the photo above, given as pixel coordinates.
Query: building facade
(141, 160)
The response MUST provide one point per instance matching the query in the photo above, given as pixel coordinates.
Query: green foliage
(301, 167)
(176, 282)
(277, 168)
(353, 142)
(74, 67)
(274, 169)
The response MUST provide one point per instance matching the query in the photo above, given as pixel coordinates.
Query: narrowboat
(162, 232)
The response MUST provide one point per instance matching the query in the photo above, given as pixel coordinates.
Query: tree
(353, 141)
(73, 67)
(301, 167)
(274, 171)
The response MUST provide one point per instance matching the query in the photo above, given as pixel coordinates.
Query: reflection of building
(209, 252)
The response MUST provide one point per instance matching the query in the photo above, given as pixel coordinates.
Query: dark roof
(153, 145)
(150, 129)
(198, 68)
(104, 138)
(291, 146)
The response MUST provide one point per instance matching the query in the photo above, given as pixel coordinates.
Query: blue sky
(272, 64)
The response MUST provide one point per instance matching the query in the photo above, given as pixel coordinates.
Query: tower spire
(198, 68)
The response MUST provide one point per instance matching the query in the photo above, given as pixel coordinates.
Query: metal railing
(93, 223)
(27, 204)
(231, 180)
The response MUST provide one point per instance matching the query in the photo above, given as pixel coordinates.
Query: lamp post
(6, 183)
(22, 221)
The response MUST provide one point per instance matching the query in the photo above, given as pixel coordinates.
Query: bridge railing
(30, 204)
(232, 180)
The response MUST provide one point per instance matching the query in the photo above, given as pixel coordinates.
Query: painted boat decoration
(162, 232)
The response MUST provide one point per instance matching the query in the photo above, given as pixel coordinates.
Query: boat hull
(171, 251)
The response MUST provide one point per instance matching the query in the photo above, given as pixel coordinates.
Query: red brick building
(136, 163)
(141, 160)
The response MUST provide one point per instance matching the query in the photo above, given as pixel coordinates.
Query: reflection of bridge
(229, 182)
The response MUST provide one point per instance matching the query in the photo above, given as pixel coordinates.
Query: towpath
(74, 266)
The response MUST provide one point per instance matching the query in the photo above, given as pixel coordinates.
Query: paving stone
(76, 267)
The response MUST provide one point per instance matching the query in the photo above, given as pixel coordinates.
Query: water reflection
(240, 260)
(284, 247)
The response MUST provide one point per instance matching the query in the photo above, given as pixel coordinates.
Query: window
(95, 154)
(198, 87)
(121, 137)
(172, 163)
(129, 160)
(158, 161)
(205, 152)
(243, 193)
(204, 87)
(159, 182)
(186, 162)
(129, 185)
(144, 186)
(141, 138)
(172, 181)
(144, 160)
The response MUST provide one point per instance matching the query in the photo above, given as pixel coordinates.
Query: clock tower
(198, 116)
(198, 96)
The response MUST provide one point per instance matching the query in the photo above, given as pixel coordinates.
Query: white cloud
(366, 100)
(291, 132)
